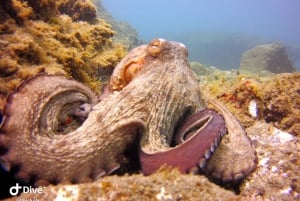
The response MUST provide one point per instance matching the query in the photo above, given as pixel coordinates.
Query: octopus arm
(235, 157)
(44, 146)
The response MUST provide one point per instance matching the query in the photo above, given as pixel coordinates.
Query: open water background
(214, 29)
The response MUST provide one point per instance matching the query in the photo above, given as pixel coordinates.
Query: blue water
(266, 20)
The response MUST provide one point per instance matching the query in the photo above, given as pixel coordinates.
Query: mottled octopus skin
(152, 104)
(152, 91)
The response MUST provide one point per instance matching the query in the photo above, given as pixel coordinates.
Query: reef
(56, 37)
(234, 88)
(254, 96)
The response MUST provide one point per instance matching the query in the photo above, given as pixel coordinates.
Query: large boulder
(270, 57)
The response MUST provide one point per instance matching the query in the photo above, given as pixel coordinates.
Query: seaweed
(56, 37)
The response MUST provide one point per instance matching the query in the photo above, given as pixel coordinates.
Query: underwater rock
(37, 36)
(281, 100)
(270, 57)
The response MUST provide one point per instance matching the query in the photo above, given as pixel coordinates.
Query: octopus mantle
(151, 93)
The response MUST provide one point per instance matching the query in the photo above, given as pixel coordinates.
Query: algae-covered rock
(281, 99)
(78, 10)
(21, 10)
(237, 89)
(253, 96)
(270, 57)
(165, 185)
(36, 37)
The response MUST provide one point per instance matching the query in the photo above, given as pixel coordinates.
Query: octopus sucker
(56, 130)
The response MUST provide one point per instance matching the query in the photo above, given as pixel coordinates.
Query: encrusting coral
(56, 37)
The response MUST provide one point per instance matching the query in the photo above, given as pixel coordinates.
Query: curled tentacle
(195, 141)
(235, 157)
(41, 136)
(197, 147)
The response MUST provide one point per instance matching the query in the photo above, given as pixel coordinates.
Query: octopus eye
(155, 47)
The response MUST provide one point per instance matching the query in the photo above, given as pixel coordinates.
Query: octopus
(56, 130)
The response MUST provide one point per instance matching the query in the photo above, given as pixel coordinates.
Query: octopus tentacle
(36, 113)
(235, 157)
(37, 133)
(195, 142)
(196, 147)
